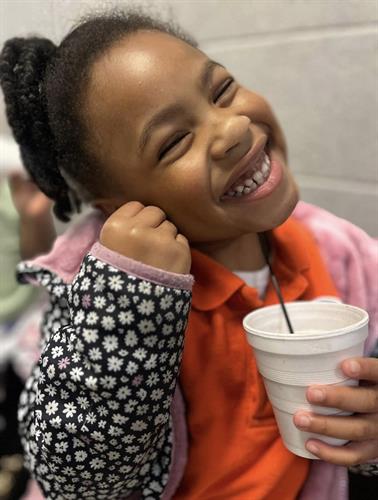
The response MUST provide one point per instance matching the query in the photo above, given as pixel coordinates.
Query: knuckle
(156, 210)
(134, 204)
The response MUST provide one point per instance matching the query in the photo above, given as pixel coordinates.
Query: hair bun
(24, 63)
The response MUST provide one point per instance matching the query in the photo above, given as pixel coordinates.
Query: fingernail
(353, 367)
(312, 448)
(316, 395)
(302, 420)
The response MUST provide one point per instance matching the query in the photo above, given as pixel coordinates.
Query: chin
(282, 211)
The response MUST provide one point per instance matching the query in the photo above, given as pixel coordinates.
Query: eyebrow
(170, 112)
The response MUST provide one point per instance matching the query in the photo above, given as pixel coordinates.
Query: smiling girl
(186, 167)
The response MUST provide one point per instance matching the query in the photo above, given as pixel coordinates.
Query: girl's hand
(30, 203)
(361, 429)
(144, 234)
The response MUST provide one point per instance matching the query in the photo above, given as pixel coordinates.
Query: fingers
(350, 454)
(353, 399)
(130, 209)
(352, 428)
(361, 368)
(168, 226)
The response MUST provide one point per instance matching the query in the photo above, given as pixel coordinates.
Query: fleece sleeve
(95, 414)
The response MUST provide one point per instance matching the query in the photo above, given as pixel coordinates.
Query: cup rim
(297, 304)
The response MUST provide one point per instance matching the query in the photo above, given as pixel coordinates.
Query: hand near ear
(144, 234)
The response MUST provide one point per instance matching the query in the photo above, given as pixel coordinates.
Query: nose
(232, 135)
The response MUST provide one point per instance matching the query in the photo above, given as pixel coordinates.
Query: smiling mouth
(251, 180)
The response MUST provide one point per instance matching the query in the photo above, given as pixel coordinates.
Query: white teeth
(255, 180)
(259, 178)
(265, 168)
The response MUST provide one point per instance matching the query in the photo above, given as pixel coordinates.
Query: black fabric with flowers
(95, 413)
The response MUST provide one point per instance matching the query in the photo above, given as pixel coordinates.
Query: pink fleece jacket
(352, 259)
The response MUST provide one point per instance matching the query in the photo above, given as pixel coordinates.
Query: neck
(240, 254)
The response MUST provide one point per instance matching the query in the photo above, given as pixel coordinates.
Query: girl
(186, 167)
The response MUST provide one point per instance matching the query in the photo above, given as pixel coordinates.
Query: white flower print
(114, 363)
(102, 411)
(166, 302)
(108, 382)
(99, 302)
(95, 354)
(146, 307)
(150, 341)
(55, 422)
(152, 379)
(107, 323)
(71, 427)
(131, 339)
(69, 409)
(51, 407)
(110, 343)
(92, 318)
(50, 390)
(126, 317)
(113, 405)
(97, 463)
(80, 455)
(151, 362)
(76, 374)
(90, 335)
(116, 283)
(123, 301)
(91, 382)
(167, 329)
(51, 371)
(99, 285)
(85, 283)
(123, 393)
(139, 425)
(144, 287)
(119, 419)
(61, 447)
(131, 368)
(146, 326)
(57, 351)
(140, 354)
(159, 290)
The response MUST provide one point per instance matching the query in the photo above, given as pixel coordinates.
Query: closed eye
(223, 89)
(170, 145)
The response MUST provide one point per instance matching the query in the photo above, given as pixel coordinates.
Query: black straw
(265, 247)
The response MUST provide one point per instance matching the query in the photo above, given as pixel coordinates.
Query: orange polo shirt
(235, 450)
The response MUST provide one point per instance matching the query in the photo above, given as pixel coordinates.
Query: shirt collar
(215, 284)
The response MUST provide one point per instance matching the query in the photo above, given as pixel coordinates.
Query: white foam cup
(325, 334)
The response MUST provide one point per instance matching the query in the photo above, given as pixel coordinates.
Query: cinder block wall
(315, 60)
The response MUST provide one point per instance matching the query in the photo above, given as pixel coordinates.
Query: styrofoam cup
(325, 334)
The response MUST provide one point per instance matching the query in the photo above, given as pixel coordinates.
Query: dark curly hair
(44, 84)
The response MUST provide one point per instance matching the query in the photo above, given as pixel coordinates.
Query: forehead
(138, 74)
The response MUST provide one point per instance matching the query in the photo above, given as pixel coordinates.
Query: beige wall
(315, 60)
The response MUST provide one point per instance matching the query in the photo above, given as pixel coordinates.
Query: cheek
(259, 110)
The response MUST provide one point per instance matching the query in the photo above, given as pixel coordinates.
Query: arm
(98, 410)
(96, 413)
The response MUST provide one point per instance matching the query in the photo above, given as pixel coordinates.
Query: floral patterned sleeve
(95, 413)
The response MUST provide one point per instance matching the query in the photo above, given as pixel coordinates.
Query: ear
(106, 205)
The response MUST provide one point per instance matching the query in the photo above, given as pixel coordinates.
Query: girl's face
(175, 130)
